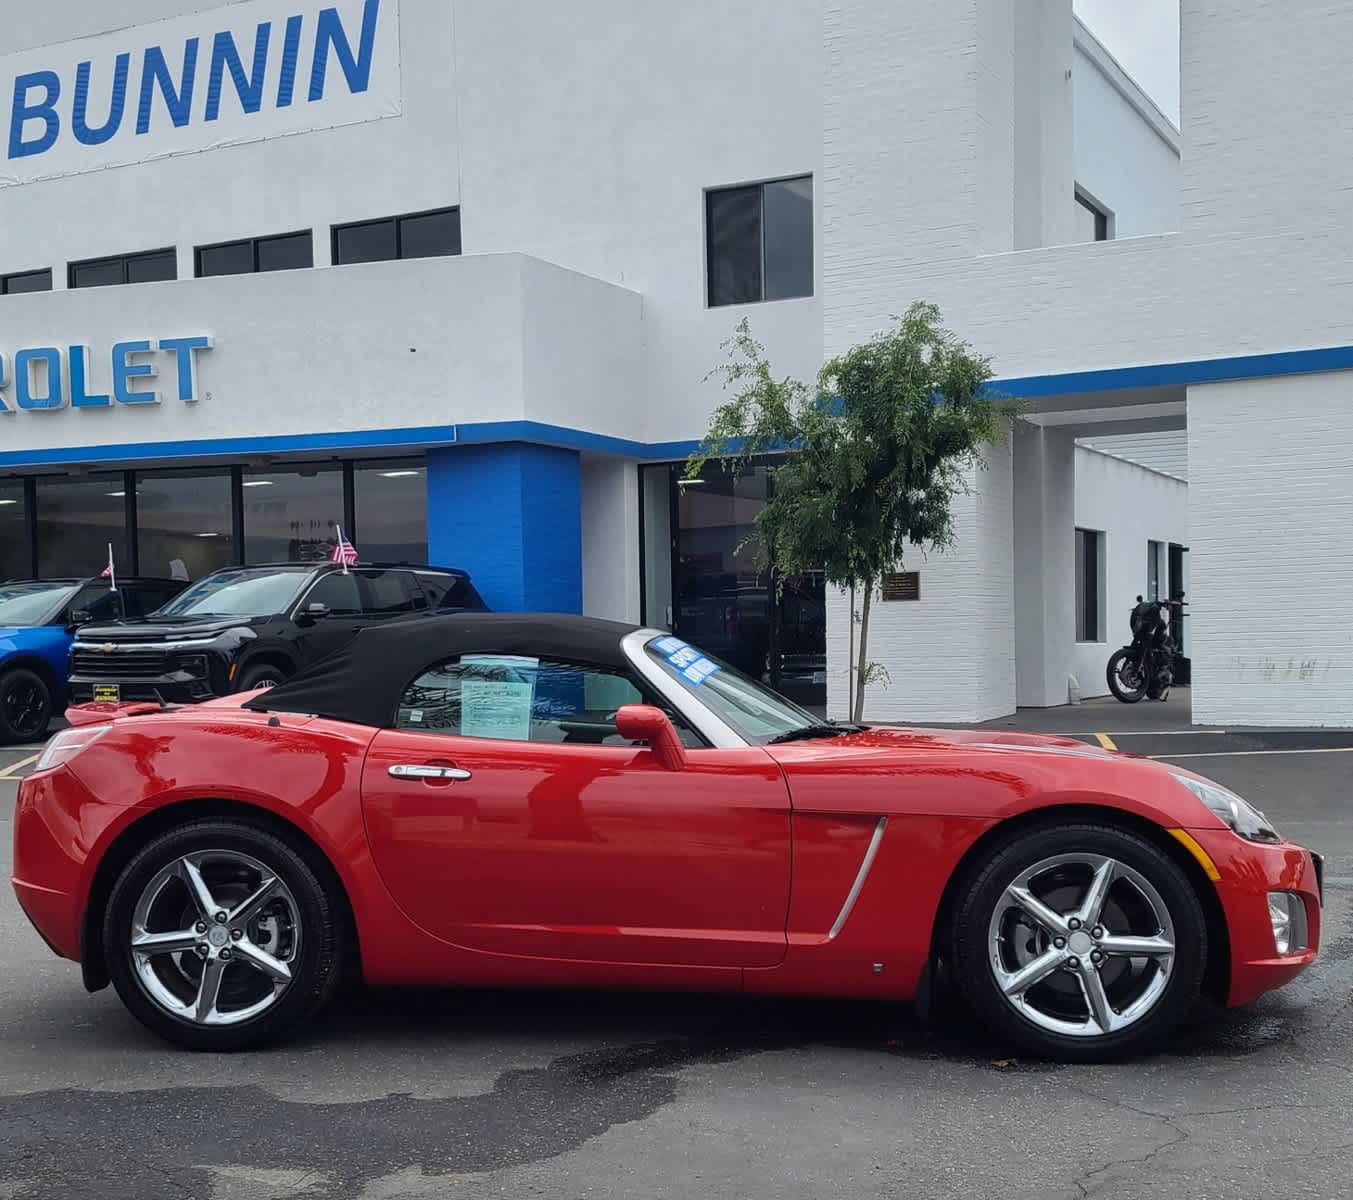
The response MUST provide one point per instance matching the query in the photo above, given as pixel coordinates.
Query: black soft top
(363, 682)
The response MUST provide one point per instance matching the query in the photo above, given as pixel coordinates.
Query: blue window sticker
(700, 670)
(668, 645)
(681, 659)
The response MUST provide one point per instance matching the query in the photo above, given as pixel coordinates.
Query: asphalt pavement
(419, 1095)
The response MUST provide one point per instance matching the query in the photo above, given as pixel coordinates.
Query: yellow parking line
(1106, 741)
(10, 772)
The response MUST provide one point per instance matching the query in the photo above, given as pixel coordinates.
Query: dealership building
(452, 274)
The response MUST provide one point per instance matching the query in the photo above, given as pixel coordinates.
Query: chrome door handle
(423, 771)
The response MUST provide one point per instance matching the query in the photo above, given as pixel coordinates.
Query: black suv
(242, 628)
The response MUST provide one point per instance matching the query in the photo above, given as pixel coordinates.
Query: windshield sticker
(700, 670)
(668, 645)
(681, 659)
(496, 696)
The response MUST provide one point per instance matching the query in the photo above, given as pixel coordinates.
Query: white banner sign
(242, 73)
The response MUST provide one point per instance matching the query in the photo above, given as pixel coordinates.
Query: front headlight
(1240, 815)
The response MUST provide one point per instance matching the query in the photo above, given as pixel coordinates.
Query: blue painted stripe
(1203, 370)
(1213, 370)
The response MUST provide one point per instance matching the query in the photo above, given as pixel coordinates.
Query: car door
(552, 837)
(319, 636)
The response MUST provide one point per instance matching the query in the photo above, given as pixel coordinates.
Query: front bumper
(1249, 872)
(186, 676)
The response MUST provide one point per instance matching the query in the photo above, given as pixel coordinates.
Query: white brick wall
(1271, 508)
(952, 654)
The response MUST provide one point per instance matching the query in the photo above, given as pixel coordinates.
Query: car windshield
(32, 603)
(756, 712)
(247, 592)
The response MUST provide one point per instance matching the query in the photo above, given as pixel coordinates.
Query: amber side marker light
(1183, 837)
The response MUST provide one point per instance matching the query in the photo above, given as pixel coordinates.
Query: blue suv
(38, 620)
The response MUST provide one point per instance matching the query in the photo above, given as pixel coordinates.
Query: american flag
(344, 551)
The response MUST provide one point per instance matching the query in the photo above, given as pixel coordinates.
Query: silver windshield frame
(703, 719)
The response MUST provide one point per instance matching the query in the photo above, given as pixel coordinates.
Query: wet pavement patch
(167, 1143)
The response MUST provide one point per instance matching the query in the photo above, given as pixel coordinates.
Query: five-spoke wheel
(1080, 941)
(220, 935)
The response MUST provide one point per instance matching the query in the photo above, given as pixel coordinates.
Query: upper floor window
(26, 281)
(286, 252)
(153, 266)
(1093, 223)
(759, 241)
(417, 235)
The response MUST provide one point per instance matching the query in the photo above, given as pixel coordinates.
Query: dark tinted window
(291, 252)
(387, 593)
(416, 235)
(234, 258)
(339, 593)
(789, 238)
(152, 267)
(26, 281)
(734, 246)
(288, 252)
(100, 602)
(373, 241)
(105, 272)
(759, 241)
(155, 594)
(429, 235)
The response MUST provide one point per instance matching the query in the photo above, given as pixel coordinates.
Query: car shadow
(740, 1025)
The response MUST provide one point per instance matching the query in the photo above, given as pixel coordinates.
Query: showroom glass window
(154, 266)
(76, 521)
(759, 241)
(16, 553)
(287, 252)
(25, 282)
(184, 524)
(290, 515)
(417, 235)
(390, 510)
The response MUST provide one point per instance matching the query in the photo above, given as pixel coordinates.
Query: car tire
(25, 706)
(265, 675)
(1141, 998)
(254, 1007)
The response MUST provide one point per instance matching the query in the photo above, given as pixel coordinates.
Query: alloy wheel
(25, 708)
(1081, 945)
(214, 938)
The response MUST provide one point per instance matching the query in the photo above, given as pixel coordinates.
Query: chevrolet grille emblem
(108, 647)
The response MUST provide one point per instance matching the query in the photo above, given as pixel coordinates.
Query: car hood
(29, 637)
(978, 773)
(160, 629)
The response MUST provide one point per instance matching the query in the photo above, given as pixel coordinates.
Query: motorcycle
(1145, 668)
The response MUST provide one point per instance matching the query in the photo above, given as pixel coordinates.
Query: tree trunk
(862, 662)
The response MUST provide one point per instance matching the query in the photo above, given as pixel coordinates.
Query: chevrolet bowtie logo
(108, 647)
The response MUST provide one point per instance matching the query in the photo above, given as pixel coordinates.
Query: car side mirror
(315, 612)
(644, 723)
(81, 616)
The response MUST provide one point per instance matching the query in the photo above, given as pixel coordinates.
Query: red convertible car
(538, 800)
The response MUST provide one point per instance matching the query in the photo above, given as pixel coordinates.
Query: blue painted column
(511, 515)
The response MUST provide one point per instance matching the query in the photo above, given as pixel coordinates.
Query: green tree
(879, 449)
